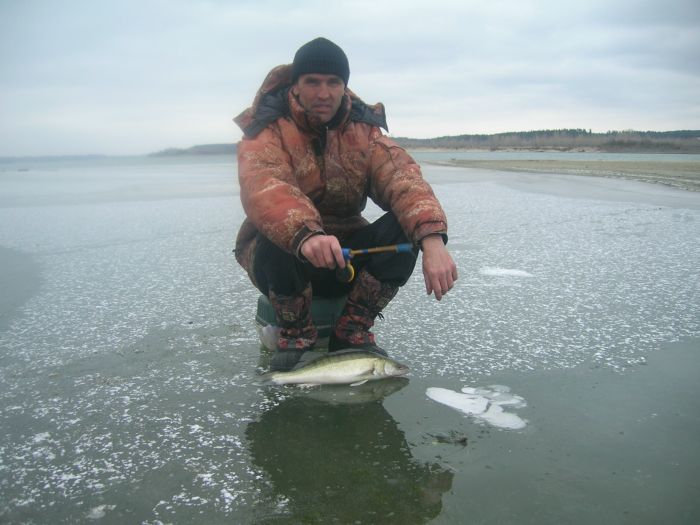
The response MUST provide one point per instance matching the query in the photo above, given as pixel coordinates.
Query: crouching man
(311, 155)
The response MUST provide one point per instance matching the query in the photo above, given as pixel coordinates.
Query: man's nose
(323, 91)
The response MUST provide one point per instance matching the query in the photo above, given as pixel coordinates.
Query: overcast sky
(132, 77)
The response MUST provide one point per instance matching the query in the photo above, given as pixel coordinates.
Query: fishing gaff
(347, 274)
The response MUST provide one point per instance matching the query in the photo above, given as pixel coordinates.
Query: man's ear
(295, 90)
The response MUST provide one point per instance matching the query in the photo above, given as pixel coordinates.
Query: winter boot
(297, 331)
(365, 302)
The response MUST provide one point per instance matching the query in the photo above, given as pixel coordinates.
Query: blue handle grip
(349, 253)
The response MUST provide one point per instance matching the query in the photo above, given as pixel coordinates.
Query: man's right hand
(323, 251)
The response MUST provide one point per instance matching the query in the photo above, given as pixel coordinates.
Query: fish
(344, 367)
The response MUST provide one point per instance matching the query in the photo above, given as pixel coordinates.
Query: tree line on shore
(683, 141)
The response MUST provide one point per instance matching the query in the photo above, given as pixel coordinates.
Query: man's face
(320, 95)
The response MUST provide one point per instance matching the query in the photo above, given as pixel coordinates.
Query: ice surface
(610, 282)
(503, 272)
(138, 354)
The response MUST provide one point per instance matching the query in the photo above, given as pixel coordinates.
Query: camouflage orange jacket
(299, 179)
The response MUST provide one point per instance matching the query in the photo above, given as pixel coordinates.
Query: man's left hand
(439, 270)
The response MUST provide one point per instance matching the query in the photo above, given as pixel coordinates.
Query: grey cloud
(441, 67)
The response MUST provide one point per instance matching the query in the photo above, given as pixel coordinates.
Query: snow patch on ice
(41, 437)
(484, 404)
(99, 512)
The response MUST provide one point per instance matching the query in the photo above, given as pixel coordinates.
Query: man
(311, 154)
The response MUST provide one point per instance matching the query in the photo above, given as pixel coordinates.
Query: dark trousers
(283, 273)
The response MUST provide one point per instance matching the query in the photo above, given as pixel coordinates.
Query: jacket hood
(271, 103)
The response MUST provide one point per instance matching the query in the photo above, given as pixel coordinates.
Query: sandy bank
(681, 174)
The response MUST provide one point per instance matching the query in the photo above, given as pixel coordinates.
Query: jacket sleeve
(396, 184)
(270, 194)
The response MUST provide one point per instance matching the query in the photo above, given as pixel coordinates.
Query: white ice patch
(41, 437)
(99, 512)
(493, 271)
(483, 404)
(206, 479)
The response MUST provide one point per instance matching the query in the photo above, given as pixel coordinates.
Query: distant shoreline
(581, 140)
(575, 140)
(682, 174)
(230, 150)
(558, 140)
(662, 149)
(636, 151)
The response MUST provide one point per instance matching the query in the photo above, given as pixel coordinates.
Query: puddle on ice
(483, 404)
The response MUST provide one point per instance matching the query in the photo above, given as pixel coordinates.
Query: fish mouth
(399, 370)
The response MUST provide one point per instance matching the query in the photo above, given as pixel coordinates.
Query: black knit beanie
(323, 57)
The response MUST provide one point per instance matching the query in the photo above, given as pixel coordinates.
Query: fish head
(390, 368)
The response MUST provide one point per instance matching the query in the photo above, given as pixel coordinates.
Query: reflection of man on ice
(324, 462)
(311, 154)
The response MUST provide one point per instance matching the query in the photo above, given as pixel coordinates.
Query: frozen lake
(128, 357)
